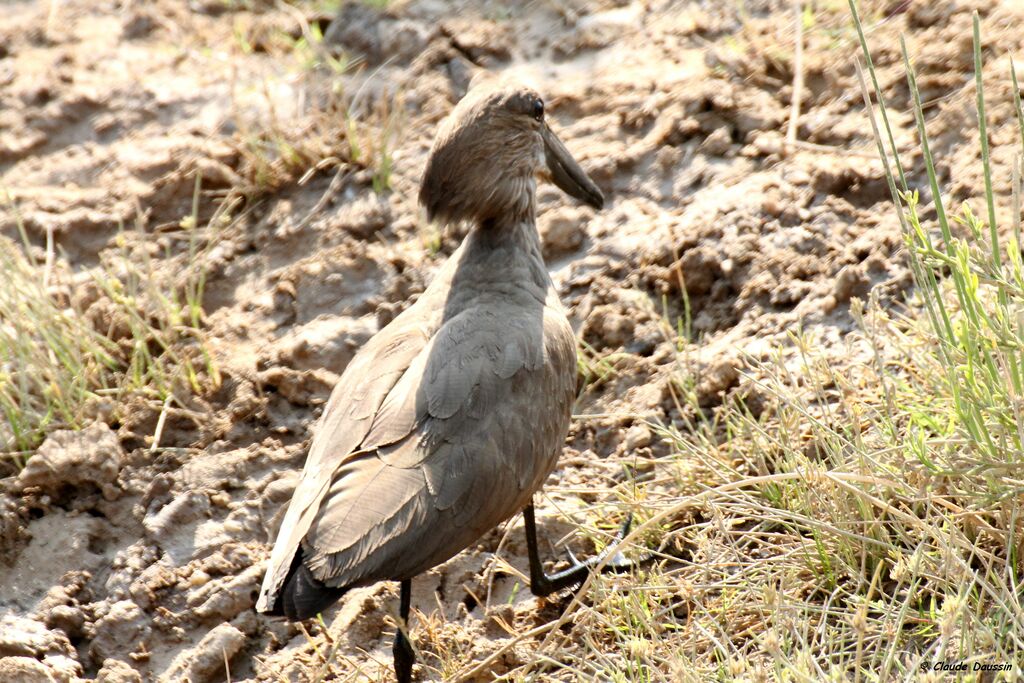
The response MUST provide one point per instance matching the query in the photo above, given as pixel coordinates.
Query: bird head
(488, 153)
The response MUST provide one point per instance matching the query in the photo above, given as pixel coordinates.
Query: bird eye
(538, 109)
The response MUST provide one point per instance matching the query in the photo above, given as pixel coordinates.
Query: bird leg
(402, 650)
(542, 584)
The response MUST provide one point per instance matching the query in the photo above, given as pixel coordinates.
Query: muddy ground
(127, 560)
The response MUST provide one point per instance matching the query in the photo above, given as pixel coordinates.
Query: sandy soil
(123, 562)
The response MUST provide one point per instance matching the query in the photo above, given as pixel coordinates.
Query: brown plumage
(451, 417)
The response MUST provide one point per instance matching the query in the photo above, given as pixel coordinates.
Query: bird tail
(302, 595)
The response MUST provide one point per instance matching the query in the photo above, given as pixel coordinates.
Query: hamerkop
(450, 418)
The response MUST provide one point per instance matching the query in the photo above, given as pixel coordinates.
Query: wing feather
(475, 467)
(363, 386)
(414, 456)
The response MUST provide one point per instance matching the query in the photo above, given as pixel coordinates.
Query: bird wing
(347, 418)
(459, 443)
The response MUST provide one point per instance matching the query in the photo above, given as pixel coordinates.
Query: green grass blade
(983, 134)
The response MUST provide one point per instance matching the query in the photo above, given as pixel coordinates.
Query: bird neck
(509, 232)
(505, 248)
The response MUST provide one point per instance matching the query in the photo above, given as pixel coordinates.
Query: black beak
(566, 173)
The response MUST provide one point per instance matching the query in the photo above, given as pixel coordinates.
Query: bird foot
(542, 584)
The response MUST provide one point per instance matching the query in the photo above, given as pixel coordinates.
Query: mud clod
(69, 459)
(205, 661)
(121, 630)
(562, 230)
(25, 670)
(116, 671)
